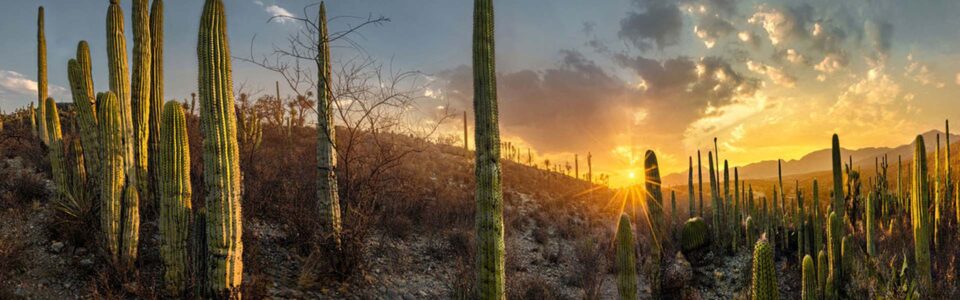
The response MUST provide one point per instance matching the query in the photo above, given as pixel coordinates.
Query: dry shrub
(20, 183)
(531, 287)
(590, 267)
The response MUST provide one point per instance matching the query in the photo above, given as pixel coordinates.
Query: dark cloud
(879, 33)
(659, 24)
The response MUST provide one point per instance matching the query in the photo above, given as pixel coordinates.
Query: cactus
(112, 171)
(626, 260)
(32, 115)
(175, 193)
(55, 141)
(328, 202)
(715, 202)
(140, 92)
(42, 78)
(692, 210)
(868, 230)
(833, 250)
(81, 84)
(156, 100)
(937, 202)
(673, 207)
(821, 273)
(809, 286)
(846, 260)
(694, 234)
(837, 203)
(764, 272)
(817, 221)
(919, 217)
(489, 197)
(699, 184)
(749, 231)
(218, 125)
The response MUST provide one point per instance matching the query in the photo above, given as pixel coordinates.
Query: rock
(56, 247)
(409, 296)
(678, 274)
(86, 262)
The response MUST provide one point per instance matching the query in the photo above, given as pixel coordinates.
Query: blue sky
(769, 78)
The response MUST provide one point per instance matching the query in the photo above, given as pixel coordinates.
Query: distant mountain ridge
(820, 160)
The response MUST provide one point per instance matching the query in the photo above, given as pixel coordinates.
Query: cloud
(879, 35)
(727, 119)
(777, 75)
(659, 24)
(782, 25)
(279, 14)
(876, 96)
(920, 72)
(712, 28)
(832, 63)
(17, 90)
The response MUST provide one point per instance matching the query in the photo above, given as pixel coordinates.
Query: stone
(56, 247)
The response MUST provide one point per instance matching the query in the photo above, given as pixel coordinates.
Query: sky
(613, 78)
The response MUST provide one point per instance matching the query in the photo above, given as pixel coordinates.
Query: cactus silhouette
(919, 216)
(692, 210)
(175, 194)
(764, 272)
(626, 260)
(218, 125)
(809, 286)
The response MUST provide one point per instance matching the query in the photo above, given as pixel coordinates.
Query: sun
(632, 175)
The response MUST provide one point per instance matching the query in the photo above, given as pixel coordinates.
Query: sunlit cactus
(626, 260)
(175, 193)
(809, 285)
(112, 171)
(218, 125)
(837, 203)
(833, 251)
(140, 93)
(919, 216)
(55, 141)
(869, 228)
(699, 185)
(764, 273)
(489, 196)
(41, 77)
(328, 201)
(749, 231)
(821, 273)
(156, 100)
(81, 86)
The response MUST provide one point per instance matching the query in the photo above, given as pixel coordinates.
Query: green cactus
(695, 234)
(32, 112)
(834, 255)
(41, 78)
(809, 286)
(868, 230)
(714, 198)
(79, 181)
(919, 216)
(673, 207)
(846, 260)
(489, 197)
(749, 231)
(821, 273)
(156, 100)
(175, 194)
(837, 203)
(328, 201)
(692, 210)
(626, 260)
(817, 221)
(700, 184)
(937, 201)
(764, 272)
(55, 141)
(218, 125)
(654, 210)
(112, 171)
(81, 85)
(140, 91)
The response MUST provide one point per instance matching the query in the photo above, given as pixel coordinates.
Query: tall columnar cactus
(764, 272)
(937, 201)
(55, 141)
(809, 286)
(626, 260)
(714, 203)
(821, 273)
(140, 100)
(837, 204)
(32, 112)
(692, 208)
(833, 251)
(175, 193)
(489, 197)
(673, 208)
(699, 184)
(328, 201)
(817, 221)
(919, 216)
(41, 76)
(749, 231)
(156, 99)
(218, 125)
(112, 173)
(81, 84)
(868, 230)
(654, 198)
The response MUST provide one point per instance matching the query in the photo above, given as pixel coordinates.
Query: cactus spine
(140, 100)
(654, 198)
(489, 197)
(156, 99)
(218, 126)
(809, 291)
(41, 77)
(112, 171)
(919, 217)
(764, 272)
(328, 201)
(55, 141)
(175, 193)
(626, 260)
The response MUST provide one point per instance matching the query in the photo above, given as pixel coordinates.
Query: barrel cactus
(489, 197)
(764, 272)
(919, 216)
(626, 260)
(175, 193)
(695, 234)
(218, 125)
(809, 290)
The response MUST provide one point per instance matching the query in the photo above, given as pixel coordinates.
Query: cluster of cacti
(764, 273)
(695, 234)
(626, 261)
(81, 86)
(175, 194)
(218, 125)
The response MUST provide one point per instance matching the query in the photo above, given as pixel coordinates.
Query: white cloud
(13, 82)
(281, 14)
(831, 63)
(779, 26)
(725, 119)
(921, 73)
(777, 75)
(18, 90)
